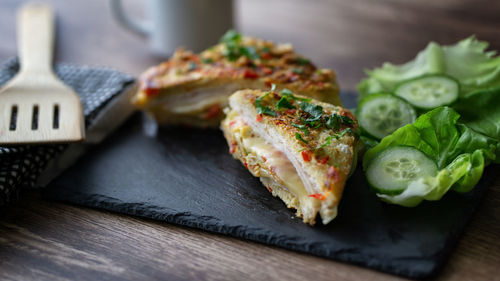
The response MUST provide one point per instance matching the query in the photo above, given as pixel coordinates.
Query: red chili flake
(213, 111)
(319, 196)
(267, 70)
(268, 84)
(250, 74)
(264, 158)
(270, 189)
(245, 164)
(266, 56)
(290, 111)
(323, 160)
(259, 118)
(151, 91)
(232, 123)
(306, 155)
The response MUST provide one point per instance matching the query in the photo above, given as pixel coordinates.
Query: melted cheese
(198, 99)
(278, 163)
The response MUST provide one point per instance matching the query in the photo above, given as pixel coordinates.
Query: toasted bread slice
(302, 150)
(193, 88)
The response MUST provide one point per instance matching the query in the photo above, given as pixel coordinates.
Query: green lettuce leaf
(480, 110)
(467, 61)
(460, 153)
(460, 175)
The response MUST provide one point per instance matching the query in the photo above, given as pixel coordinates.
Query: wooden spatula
(35, 106)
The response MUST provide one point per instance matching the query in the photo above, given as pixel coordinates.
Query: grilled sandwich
(193, 88)
(302, 150)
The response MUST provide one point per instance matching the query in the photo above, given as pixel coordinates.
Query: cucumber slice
(381, 114)
(428, 92)
(391, 170)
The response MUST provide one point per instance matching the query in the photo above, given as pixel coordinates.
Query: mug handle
(141, 28)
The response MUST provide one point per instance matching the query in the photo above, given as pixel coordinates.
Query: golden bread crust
(269, 63)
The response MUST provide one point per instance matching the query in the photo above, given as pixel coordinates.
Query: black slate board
(187, 177)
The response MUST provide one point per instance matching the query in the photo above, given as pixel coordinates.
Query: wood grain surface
(42, 240)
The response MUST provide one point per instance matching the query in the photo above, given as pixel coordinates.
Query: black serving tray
(186, 176)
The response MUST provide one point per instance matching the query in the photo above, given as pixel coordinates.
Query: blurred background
(348, 36)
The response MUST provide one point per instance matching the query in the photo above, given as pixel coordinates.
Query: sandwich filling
(302, 150)
(274, 168)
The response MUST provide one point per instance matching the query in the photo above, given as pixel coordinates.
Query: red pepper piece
(259, 118)
(306, 155)
(319, 196)
(323, 160)
(250, 74)
(151, 91)
(266, 56)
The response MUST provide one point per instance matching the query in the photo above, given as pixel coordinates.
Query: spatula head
(45, 114)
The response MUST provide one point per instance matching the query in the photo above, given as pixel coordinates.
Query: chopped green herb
(249, 52)
(299, 137)
(314, 110)
(284, 103)
(327, 142)
(261, 109)
(234, 49)
(266, 50)
(230, 37)
(192, 66)
(346, 120)
(301, 127)
(346, 130)
(319, 71)
(297, 70)
(302, 60)
(207, 60)
(333, 122)
(287, 92)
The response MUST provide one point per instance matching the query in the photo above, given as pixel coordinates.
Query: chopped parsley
(207, 60)
(299, 137)
(345, 131)
(231, 36)
(261, 109)
(284, 103)
(297, 70)
(249, 52)
(289, 94)
(234, 49)
(301, 127)
(316, 111)
(333, 121)
(266, 50)
(302, 60)
(326, 143)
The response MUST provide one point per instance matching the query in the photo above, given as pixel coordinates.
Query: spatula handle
(35, 37)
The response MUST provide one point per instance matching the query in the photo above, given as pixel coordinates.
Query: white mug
(193, 24)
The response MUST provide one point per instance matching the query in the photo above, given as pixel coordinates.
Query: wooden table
(41, 240)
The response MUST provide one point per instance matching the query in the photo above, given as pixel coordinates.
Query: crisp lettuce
(467, 61)
(460, 153)
(480, 110)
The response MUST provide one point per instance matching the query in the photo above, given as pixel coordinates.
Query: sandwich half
(193, 88)
(302, 150)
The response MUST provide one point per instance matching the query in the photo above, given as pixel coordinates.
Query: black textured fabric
(21, 165)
